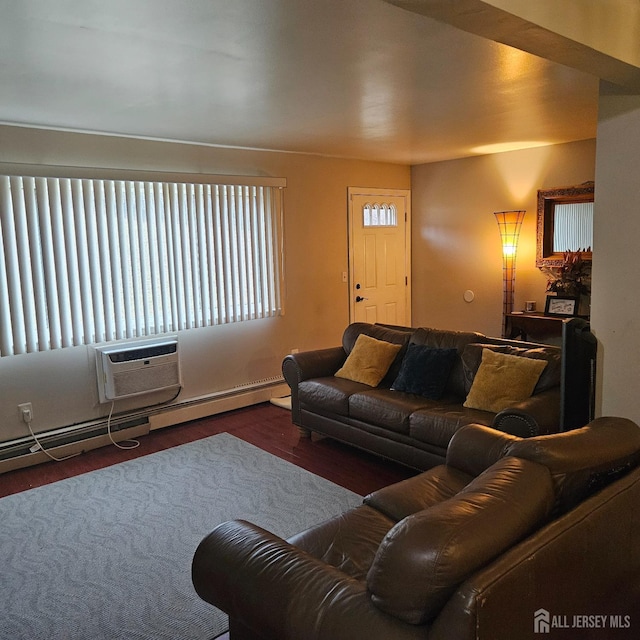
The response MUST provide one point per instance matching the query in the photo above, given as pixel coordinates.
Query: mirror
(565, 223)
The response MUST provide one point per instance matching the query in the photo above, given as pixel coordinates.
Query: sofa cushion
(329, 395)
(394, 335)
(369, 360)
(550, 377)
(424, 557)
(404, 498)
(437, 424)
(348, 541)
(442, 339)
(425, 371)
(385, 408)
(503, 380)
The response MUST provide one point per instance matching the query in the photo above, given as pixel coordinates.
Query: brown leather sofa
(508, 534)
(415, 430)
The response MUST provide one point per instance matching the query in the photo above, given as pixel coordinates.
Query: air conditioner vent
(137, 368)
(139, 353)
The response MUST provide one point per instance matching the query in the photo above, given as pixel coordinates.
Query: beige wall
(616, 307)
(456, 244)
(61, 385)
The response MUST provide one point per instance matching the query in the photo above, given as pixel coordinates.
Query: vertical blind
(85, 261)
(573, 227)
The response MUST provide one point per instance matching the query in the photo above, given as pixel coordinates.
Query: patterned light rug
(107, 554)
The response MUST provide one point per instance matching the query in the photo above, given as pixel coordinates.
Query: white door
(379, 256)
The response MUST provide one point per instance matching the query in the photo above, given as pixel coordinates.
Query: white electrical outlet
(26, 412)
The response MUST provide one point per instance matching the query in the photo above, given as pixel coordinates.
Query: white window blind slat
(172, 260)
(212, 295)
(84, 245)
(40, 302)
(236, 263)
(241, 271)
(225, 223)
(15, 321)
(255, 270)
(96, 313)
(194, 263)
(54, 334)
(231, 266)
(140, 244)
(112, 281)
(217, 229)
(72, 262)
(255, 304)
(165, 261)
(65, 316)
(273, 248)
(270, 254)
(25, 314)
(6, 336)
(199, 254)
(59, 261)
(102, 291)
(261, 227)
(179, 282)
(156, 317)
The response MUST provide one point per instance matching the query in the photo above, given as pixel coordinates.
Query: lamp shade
(509, 223)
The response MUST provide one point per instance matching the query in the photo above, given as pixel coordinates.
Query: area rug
(107, 554)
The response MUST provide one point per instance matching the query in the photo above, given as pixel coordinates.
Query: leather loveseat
(510, 533)
(415, 430)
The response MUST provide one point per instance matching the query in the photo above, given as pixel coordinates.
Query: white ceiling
(350, 78)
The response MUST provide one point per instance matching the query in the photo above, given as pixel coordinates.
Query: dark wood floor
(265, 426)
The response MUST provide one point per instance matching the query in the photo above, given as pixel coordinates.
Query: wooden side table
(534, 327)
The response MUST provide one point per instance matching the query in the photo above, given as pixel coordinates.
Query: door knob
(360, 298)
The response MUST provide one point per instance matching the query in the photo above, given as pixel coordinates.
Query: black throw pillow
(425, 371)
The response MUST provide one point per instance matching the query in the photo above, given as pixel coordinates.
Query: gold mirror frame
(547, 201)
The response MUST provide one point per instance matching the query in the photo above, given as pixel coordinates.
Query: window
(90, 260)
(376, 215)
(573, 227)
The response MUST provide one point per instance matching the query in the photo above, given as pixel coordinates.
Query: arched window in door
(379, 215)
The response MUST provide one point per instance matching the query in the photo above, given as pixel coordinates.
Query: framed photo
(565, 306)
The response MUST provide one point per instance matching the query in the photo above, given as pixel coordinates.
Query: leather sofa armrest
(279, 591)
(537, 415)
(297, 367)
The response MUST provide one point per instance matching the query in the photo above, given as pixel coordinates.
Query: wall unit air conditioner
(137, 368)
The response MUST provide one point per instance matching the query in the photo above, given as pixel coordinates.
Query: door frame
(379, 194)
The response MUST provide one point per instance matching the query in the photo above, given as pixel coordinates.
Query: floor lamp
(509, 223)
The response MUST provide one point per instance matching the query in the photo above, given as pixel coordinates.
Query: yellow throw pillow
(503, 380)
(369, 360)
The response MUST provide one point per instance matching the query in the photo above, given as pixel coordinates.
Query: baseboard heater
(70, 436)
(84, 437)
(237, 397)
